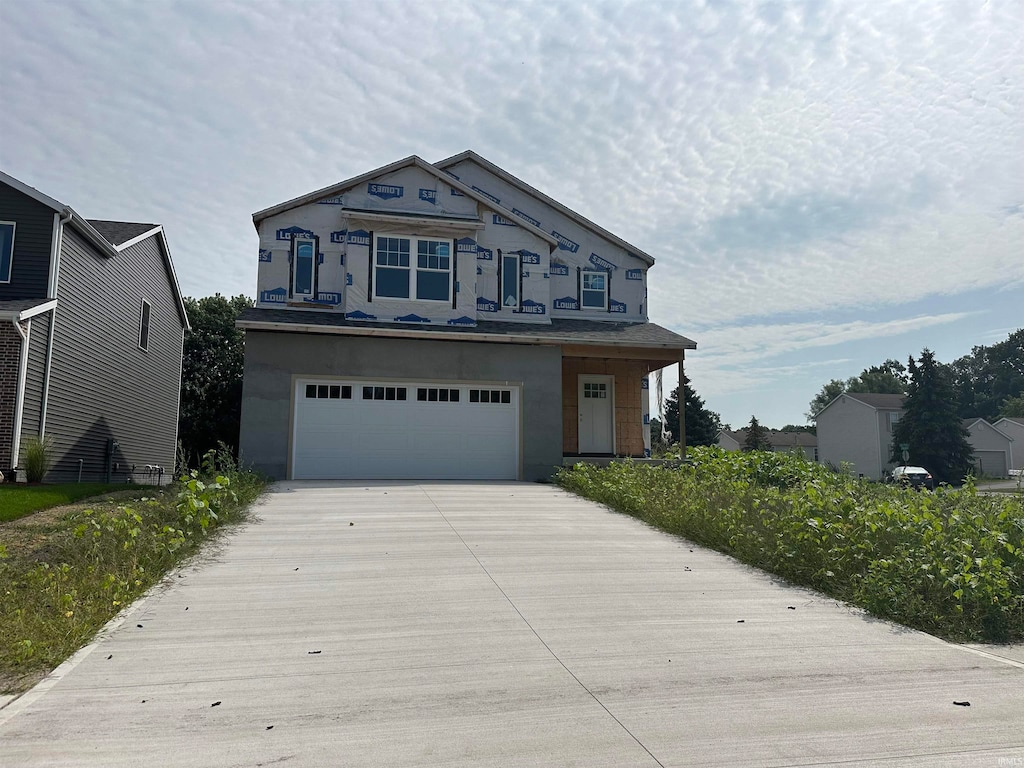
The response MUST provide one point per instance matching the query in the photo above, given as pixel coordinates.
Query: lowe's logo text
(531, 307)
(484, 253)
(359, 237)
(567, 303)
(488, 195)
(429, 196)
(597, 261)
(498, 219)
(336, 200)
(616, 306)
(634, 274)
(529, 257)
(529, 218)
(564, 243)
(299, 232)
(266, 255)
(559, 269)
(467, 247)
(339, 236)
(385, 191)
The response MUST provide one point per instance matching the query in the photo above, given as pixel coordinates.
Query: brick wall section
(629, 436)
(10, 356)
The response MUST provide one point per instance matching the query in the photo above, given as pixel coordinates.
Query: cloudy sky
(823, 184)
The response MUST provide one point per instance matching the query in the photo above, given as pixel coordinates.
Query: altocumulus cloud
(775, 157)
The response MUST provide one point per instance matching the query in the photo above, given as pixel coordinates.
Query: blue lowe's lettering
(338, 236)
(266, 255)
(488, 195)
(486, 305)
(359, 237)
(324, 298)
(385, 191)
(359, 315)
(567, 302)
(531, 307)
(485, 254)
(498, 219)
(336, 200)
(645, 383)
(429, 196)
(559, 269)
(647, 418)
(274, 296)
(466, 245)
(564, 243)
(529, 257)
(287, 232)
(634, 274)
(348, 278)
(616, 306)
(526, 216)
(597, 261)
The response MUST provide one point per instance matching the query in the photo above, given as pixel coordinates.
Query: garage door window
(329, 391)
(384, 393)
(500, 396)
(437, 395)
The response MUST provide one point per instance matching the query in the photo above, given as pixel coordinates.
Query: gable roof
(412, 160)
(111, 241)
(969, 423)
(524, 187)
(1012, 420)
(878, 401)
(778, 438)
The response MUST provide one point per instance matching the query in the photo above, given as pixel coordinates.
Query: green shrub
(37, 458)
(949, 562)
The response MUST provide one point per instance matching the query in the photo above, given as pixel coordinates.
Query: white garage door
(405, 430)
(991, 463)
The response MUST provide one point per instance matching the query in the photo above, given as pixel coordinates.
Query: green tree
(702, 425)
(211, 375)
(828, 393)
(931, 425)
(988, 376)
(1013, 407)
(757, 437)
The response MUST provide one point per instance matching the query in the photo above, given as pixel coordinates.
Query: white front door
(596, 409)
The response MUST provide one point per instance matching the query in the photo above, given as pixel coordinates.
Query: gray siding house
(1014, 428)
(445, 321)
(993, 448)
(855, 429)
(803, 443)
(91, 330)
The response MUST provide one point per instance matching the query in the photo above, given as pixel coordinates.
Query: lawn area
(18, 500)
(66, 571)
(950, 562)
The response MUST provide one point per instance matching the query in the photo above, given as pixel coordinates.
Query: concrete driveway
(502, 625)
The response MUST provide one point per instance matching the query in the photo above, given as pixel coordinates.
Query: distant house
(856, 429)
(1014, 427)
(993, 448)
(91, 330)
(804, 443)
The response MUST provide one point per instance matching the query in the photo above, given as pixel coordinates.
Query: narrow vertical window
(510, 280)
(6, 250)
(144, 326)
(304, 265)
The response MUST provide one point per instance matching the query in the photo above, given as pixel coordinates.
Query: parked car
(913, 477)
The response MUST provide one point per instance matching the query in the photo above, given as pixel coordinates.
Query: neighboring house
(444, 321)
(1013, 428)
(804, 443)
(993, 448)
(856, 429)
(91, 331)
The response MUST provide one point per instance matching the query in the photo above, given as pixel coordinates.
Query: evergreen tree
(757, 437)
(888, 378)
(931, 425)
(702, 425)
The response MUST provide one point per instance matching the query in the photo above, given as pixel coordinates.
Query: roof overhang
(468, 225)
(29, 312)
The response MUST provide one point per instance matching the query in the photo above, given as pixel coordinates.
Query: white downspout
(56, 247)
(19, 398)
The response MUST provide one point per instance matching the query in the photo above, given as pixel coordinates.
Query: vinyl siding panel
(102, 385)
(34, 373)
(30, 270)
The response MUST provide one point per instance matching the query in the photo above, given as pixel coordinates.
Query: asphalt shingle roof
(581, 331)
(778, 439)
(117, 232)
(875, 400)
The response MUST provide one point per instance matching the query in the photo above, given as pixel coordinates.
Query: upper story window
(6, 250)
(304, 264)
(894, 419)
(144, 326)
(594, 290)
(511, 282)
(393, 269)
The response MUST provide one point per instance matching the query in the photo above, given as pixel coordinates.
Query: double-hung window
(396, 276)
(594, 290)
(304, 258)
(6, 250)
(510, 280)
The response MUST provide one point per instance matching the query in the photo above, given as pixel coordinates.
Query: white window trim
(10, 266)
(583, 280)
(501, 290)
(295, 267)
(414, 267)
(149, 325)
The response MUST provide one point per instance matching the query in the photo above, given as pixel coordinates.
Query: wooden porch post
(682, 413)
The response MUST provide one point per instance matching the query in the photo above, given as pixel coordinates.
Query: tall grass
(949, 562)
(53, 599)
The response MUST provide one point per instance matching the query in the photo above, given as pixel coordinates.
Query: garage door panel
(444, 437)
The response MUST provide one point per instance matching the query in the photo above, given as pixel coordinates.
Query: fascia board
(137, 239)
(551, 341)
(524, 187)
(175, 286)
(32, 192)
(469, 225)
